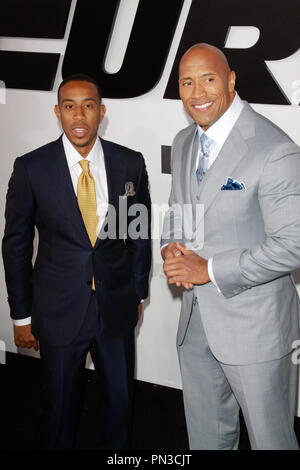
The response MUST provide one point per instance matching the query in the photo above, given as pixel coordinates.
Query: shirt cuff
(211, 274)
(23, 321)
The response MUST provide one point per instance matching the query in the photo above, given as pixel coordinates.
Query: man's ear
(102, 111)
(231, 81)
(57, 112)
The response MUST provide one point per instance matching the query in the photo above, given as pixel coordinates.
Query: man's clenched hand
(186, 268)
(24, 338)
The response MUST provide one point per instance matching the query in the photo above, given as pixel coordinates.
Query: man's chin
(204, 123)
(81, 143)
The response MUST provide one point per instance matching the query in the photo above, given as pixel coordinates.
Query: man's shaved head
(209, 49)
(206, 83)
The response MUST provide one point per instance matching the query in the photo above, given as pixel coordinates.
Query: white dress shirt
(221, 129)
(97, 169)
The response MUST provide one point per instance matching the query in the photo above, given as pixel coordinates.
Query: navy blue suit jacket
(56, 290)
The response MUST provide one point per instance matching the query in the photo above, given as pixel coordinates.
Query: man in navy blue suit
(83, 293)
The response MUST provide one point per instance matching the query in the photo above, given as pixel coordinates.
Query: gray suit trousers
(214, 392)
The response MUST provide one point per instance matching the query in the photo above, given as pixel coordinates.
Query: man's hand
(189, 269)
(171, 251)
(24, 338)
(140, 310)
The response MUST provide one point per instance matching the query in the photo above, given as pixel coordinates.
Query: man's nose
(78, 112)
(199, 90)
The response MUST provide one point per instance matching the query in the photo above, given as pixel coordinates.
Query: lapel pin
(129, 189)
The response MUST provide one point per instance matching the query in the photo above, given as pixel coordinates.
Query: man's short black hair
(80, 77)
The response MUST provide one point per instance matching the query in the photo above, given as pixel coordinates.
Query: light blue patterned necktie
(205, 144)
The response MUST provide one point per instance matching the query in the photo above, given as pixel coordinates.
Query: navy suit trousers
(63, 384)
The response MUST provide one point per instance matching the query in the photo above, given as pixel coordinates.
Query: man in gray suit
(240, 308)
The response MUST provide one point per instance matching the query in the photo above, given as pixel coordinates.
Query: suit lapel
(233, 151)
(188, 161)
(115, 175)
(59, 174)
(63, 189)
(115, 172)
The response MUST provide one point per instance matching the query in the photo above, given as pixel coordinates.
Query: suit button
(89, 283)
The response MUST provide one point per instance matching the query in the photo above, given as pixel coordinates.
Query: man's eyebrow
(85, 99)
(208, 73)
(203, 75)
(185, 78)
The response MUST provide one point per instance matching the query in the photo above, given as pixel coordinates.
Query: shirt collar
(221, 129)
(73, 156)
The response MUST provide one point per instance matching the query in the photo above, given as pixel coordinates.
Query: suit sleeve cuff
(227, 273)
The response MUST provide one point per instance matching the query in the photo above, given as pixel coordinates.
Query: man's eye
(208, 80)
(186, 83)
(68, 106)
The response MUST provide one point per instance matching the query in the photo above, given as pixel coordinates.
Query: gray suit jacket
(252, 234)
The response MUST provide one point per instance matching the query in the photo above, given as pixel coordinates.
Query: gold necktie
(86, 197)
